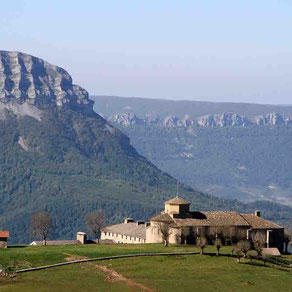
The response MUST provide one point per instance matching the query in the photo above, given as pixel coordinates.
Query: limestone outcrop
(216, 120)
(27, 82)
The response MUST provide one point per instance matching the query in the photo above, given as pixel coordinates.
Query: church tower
(177, 207)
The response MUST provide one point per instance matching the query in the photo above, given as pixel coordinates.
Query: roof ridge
(245, 219)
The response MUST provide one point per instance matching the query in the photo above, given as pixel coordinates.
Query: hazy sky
(218, 50)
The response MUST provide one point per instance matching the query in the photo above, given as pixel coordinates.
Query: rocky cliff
(27, 81)
(57, 155)
(216, 120)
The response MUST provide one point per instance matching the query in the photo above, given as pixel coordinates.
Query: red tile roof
(177, 201)
(4, 234)
(218, 218)
(260, 223)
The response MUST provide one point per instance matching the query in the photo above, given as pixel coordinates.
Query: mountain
(245, 154)
(161, 108)
(58, 155)
(217, 120)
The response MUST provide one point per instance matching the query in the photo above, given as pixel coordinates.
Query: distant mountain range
(58, 155)
(161, 108)
(241, 151)
(217, 120)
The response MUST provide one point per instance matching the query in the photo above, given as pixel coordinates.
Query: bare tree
(218, 244)
(164, 229)
(202, 239)
(241, 234)
(202, 243)
(41, 225)
(237, 252)
(244, 246)
(94, 222)
(259, 240)
(287, 239)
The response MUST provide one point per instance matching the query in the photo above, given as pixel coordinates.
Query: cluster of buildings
(184, 226)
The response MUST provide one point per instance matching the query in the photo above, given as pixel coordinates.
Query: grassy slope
(160, 273)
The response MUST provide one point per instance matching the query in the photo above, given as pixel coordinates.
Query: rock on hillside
(26, 80)
(216, 120)
(58, 155)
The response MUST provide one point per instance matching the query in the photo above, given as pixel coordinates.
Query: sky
(215, 50)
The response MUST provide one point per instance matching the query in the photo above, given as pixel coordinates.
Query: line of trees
(220, 235)
(41, 225)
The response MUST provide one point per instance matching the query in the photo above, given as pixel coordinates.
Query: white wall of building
(121, 238)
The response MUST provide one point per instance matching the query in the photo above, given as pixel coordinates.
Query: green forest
(70, 164)
(233, 159)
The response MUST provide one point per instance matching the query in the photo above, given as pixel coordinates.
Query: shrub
(218, 244)
(244, 246)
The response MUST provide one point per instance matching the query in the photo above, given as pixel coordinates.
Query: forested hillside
(69, 164)
(244, 163)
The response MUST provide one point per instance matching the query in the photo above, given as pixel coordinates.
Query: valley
(245, 155)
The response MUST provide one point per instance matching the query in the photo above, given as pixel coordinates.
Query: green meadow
(206, 272)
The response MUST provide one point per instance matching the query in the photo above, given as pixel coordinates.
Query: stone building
(127, 232)
(4, 235)
(186, 226)
(81, 238)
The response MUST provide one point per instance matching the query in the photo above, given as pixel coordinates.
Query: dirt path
(113, 276)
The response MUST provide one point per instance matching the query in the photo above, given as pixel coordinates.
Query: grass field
(175, 273)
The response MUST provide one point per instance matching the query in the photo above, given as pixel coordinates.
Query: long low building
(127, 232)
(186, 226)
(81, 238)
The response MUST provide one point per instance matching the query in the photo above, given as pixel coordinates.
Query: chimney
(140, 222)
(257, 213)
(128, 220)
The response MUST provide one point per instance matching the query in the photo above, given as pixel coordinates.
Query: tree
(218, 244)
(287, 239)
(164, 229)
(237, 252)
(94, 222)
(41, 225)
(259, 240)
(202, 242)
(244, 246)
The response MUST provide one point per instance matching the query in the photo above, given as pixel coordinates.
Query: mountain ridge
(216, 120)
(111, 105)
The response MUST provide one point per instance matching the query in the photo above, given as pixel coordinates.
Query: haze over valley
(231, 150)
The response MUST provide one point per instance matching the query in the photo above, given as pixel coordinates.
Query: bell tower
(177, 206)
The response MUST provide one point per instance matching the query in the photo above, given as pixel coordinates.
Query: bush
(244, 246)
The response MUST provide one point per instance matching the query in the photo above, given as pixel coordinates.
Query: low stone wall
(104, 259)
